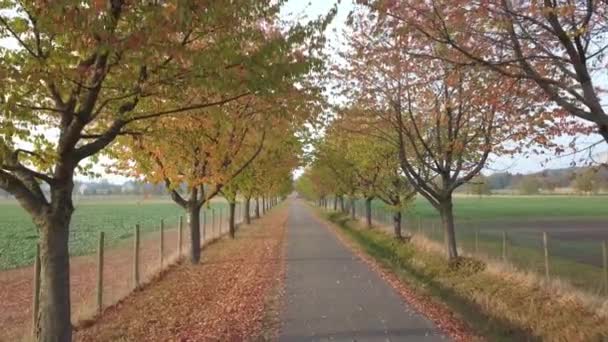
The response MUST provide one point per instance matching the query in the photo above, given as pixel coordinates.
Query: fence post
(204, 225)
(220, 223)
(36, 291)
(180, 238)
(605, 257)
(504, 246)
(100, 273)
(546, 249)
(136, 258)
(212, 223)
(162, 242)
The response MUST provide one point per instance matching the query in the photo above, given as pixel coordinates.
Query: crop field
(575, 226)
(116, 217)
(508, 208)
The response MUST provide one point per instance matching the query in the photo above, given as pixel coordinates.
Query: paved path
(333, 296)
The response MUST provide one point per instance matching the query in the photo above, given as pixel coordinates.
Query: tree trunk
(352, 208)
(449, 236)
(194, 218)
(368, 211)
(397, 225)
(247, 208)
(54, 316)
(335, 203)
(257, 207)
(231, 223)
(342, 207)
(263, 205)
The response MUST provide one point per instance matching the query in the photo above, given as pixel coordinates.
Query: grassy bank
(499, 304)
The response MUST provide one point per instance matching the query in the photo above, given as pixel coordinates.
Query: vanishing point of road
(331, 295)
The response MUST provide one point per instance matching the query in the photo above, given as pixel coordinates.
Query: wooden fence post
(180, 238)
(546, 249)
(220, 223)
(204, 226)
(605, 257)
(100, 273)
(504, 246)
(36, 303)
(136, 258)
(212, 223)
(162, 242)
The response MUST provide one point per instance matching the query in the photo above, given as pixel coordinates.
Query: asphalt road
(331, 295)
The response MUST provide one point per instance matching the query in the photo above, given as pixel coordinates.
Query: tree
(391, 186)
(88, 71)
(335, 167)
(557, 46)
(445, 119)
(586, 182)
(357, 161)
(529, 185)
(201, 152)
(479, 186)
(374, 162)
(269, 174)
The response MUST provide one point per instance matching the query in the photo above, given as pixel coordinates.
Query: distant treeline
(584, 180)
(104, 187)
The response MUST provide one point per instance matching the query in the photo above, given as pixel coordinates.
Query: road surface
(331, 295)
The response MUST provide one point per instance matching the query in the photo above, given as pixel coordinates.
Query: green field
(575, 225)
(513, 207)
(116, 217)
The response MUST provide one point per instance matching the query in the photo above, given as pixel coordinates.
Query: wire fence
(577, 255)
(116, 260)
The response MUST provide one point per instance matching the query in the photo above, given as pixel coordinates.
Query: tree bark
(54, 317)
(449, 235)
(368, 211)
(257, 207)
(194, 218)
(342, 207)
(397, 225)
(335, 203)
(352, 208)
(247, 208)
(263, 205)
(231, 223)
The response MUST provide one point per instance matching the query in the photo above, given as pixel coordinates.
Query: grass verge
(499, 304)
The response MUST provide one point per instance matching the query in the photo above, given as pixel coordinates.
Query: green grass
(577, 259)
(116, 217)
(514, 207)
(498, 307)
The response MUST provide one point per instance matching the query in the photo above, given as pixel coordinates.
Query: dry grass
(500, 302)
(559, 287)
